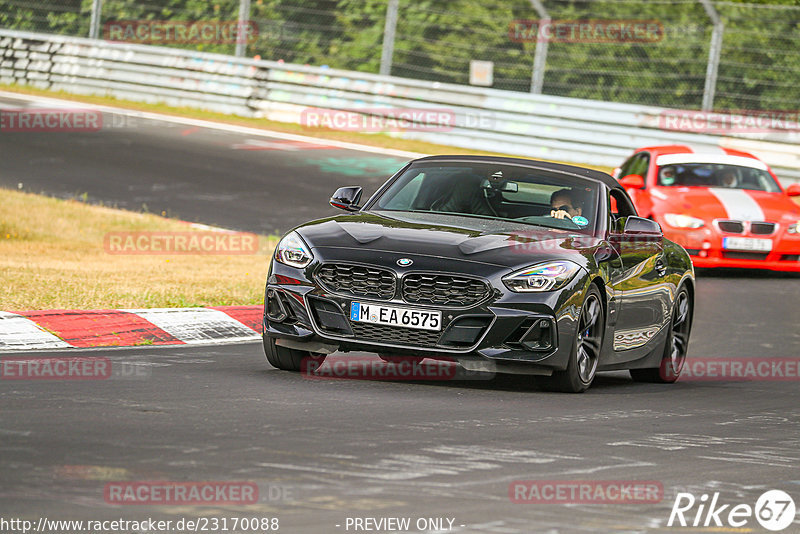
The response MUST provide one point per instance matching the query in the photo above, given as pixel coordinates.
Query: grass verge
(53, 255)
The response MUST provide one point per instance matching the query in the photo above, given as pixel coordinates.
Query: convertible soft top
(590, 174)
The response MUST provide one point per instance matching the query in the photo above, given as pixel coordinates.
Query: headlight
(678, 220)
(542, 277)
(794, 228)
(293, 251)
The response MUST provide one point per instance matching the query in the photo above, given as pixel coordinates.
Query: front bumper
(705, 247)
(510, 329)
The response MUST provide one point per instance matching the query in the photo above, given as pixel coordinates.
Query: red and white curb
(63, 329)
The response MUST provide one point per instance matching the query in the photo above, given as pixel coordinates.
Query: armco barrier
(537, 126)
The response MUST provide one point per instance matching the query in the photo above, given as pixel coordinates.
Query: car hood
(711, 203)
(502, 243)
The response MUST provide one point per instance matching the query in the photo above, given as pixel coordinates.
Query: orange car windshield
(716, 175)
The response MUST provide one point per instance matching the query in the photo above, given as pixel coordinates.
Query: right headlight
(293, 251)
(678, 220)
(542, 277)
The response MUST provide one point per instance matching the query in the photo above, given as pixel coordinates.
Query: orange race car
(725, 207)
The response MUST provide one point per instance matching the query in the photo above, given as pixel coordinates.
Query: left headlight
(794, 228)
(542, 277)
(679, 220)
(293, 251)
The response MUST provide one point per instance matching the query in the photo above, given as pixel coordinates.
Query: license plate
(747, 243)
(361, 312)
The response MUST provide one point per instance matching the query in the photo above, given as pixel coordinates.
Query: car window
(637, 164)
(499, 191)
(640, 165)
(623, 170)
(716, 175)
(619, 208)
(406, 194)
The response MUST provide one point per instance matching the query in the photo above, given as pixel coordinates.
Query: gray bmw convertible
(513, 265)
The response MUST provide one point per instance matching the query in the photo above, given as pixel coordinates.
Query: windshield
(716, 175)
(498, 191)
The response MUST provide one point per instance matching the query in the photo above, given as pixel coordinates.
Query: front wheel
(676, 346)
(289, 359)
(585, 355)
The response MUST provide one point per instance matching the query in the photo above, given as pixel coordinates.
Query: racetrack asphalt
(217, 177)
(325, 450)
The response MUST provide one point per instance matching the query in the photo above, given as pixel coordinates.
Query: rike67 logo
(774, 510)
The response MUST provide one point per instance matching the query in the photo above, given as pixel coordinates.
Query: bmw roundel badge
(404, 262)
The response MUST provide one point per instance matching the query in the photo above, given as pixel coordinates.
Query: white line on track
(233, 128)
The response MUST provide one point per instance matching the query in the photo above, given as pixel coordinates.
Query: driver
(729, 178)
(667, 175)
(565, 204)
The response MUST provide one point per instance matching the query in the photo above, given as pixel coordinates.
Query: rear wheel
(676, 346)
(289, 359)
(585, 355)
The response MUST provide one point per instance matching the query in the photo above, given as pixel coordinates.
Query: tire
(288, 359)
(585, 355)
(674, 357)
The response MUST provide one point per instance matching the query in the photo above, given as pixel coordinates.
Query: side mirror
(793, 190)
(632, 181)
(640, 226)
(346, 198)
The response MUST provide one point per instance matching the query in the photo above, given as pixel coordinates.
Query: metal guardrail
(537, 126)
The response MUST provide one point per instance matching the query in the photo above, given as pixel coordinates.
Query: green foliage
(436, 39)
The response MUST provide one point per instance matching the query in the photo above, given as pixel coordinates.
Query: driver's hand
(560, 214)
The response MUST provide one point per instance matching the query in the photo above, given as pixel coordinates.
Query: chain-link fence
(675, 53)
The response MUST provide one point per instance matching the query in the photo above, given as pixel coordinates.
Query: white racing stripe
(198, 325)
(708, 149)
(18, 332)
(738, 204)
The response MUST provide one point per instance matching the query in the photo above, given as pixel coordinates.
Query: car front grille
(732, 227)
(393, 335)
(443, 290)
(738, 227)
(358, 280)
(762, 228)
